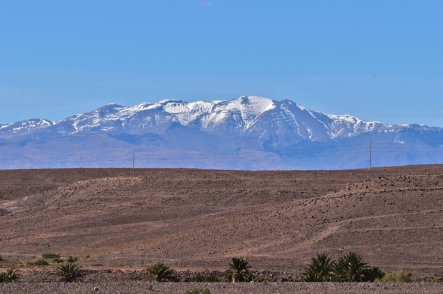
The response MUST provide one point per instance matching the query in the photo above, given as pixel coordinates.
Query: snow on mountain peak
(24, 127)
(245, 115)
(255, 103)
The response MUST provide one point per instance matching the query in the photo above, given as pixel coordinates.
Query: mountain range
(247, 132)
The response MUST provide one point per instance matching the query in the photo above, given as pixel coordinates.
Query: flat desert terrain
(199, 219)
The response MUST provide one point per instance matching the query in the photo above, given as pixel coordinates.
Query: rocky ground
(181, 288)
(197, 220)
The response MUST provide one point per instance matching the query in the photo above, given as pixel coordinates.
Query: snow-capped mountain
(248, 132)
(246, 115)
(23, 127)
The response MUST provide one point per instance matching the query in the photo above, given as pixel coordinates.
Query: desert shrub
(69, 271)
(207, 278)
(97, 264)
(40, 262)
(57, 260)
(72, 259)
(258, 279)
(160, 272)
(239, 271)
(399, 276)
(9, 276)
(321, 269)
(198, 291)
(50, 256)
(372, 274)
(350, 268)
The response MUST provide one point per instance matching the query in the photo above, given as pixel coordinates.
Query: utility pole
(370, 153)
(133, 164)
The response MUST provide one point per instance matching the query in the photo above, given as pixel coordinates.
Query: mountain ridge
(281, 134)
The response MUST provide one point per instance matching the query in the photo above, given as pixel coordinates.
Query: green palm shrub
(9, 276)
(321, 269)
(399, 276)
(69, 271)
(160, 272)
(239, 270)
(350, 268)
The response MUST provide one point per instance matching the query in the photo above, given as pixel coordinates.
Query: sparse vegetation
(69, 271)
(54, 258)
(9, 276)
(97, 264)
(72, 259)
(199, 291)
(207, 278)
(57, 260)
(50, 256)
(239, 271)
(40, 262)
(160, 272)
(399, 276)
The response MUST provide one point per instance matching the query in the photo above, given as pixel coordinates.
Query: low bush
(207, 278)
(58, 260)
(198, 291)
(160, 272)
(374, 273)
(72, 259)
(69, 271)
(399, 276)
(50, 256)
(40, 262)
(9, 276)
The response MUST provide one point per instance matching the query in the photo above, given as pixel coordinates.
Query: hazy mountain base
(185, 147)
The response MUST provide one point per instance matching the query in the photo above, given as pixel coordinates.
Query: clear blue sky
(376, 59)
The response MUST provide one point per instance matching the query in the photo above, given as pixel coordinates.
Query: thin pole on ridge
(370, 153)
(133, 163)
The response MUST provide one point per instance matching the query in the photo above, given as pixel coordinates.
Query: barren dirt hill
(198, 219)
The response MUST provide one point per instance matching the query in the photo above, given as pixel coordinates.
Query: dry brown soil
(220, 288)
(199, 219)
